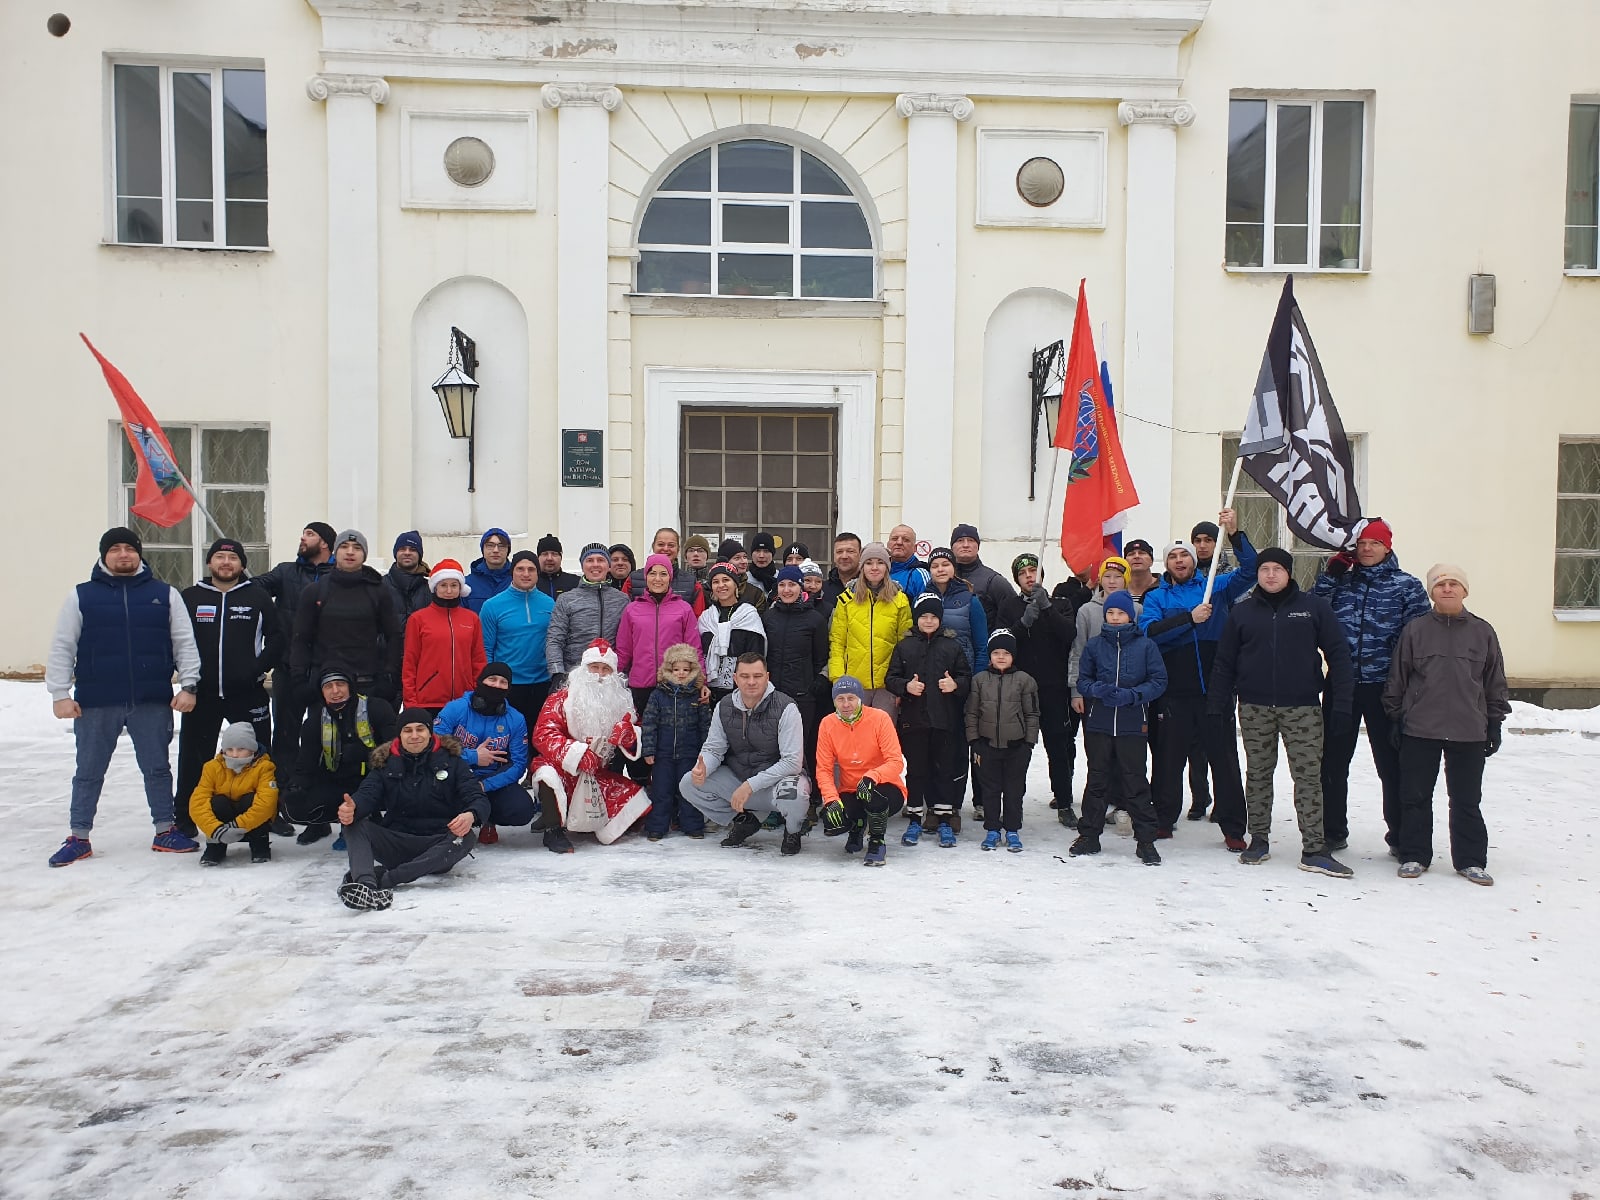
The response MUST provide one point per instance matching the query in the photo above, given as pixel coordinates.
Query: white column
(353, 283)
(583, 147)
(1149, 307)
(928, 460)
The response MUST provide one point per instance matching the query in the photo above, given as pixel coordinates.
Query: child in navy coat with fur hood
(673, 730)
(1120, 674)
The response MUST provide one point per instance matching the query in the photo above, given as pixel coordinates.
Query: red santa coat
(589, 797)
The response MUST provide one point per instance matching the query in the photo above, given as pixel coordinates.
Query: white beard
(595, 705)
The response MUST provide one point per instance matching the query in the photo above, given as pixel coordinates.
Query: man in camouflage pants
(1271, 657)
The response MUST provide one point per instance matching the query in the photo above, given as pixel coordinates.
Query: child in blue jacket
(674, 729)
(1120, 673)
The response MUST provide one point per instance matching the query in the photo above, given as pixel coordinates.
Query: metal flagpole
(1049, 494)
(189, 487)
(1233, 484)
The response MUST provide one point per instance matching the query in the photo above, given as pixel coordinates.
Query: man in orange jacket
(859, 756)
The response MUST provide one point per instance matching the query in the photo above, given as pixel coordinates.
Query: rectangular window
(189, 155)
(1296, 173)
(1578, 525)
(1583, 186)
(229, 474)
(1266, 522)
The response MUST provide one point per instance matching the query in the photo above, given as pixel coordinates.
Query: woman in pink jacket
(655, 619)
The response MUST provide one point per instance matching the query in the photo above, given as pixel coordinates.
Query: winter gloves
(1492, 744)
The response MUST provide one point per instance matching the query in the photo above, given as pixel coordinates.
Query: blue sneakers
(947, 836)
(1256, 853)
(1013, 842)
(877, 853)
(173, 842)
(71, 851)
(338, 843)
(991, 840)
(1325, 864)
(913, 833)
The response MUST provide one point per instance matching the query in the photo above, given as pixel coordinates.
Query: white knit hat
(1180, 544)
(449, 568)
(600, 651)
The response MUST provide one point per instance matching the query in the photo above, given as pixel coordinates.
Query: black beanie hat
(495, 668)
(1274, 555)
(549, 542)
(764, 541)
(324, 531)
(224, 543)
(627, 552)
(524, 556)
(122, 536)
(928, 602)
(728, 549)
(415, 715)
(1205, 529)
(1003, 639)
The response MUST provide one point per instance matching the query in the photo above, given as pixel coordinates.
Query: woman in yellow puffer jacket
(236, 798)
(869, 620)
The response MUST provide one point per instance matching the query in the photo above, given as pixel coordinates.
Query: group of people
(424, 709)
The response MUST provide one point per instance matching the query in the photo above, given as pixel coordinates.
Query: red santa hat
(600, 651)
(448, 568)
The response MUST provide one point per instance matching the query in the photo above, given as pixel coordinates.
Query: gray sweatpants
(791, 797)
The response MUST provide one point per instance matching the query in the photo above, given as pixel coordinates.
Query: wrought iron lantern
(457, 390)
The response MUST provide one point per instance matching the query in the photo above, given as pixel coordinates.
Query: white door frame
(853, 395)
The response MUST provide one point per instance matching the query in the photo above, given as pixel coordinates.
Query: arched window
(756, 218)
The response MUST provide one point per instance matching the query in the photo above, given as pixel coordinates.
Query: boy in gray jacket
(1002, 729)
(1446, 697)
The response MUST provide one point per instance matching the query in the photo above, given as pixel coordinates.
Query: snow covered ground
(680, 1020)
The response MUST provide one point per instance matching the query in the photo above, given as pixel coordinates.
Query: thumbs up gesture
(946, 684)
(916, 687)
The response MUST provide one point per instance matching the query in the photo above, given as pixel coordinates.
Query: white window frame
(1284, 535)
(1594, 185)
(201, 534)
(1582, 612)
(792, 200)
(169, 198)
(1313, 184)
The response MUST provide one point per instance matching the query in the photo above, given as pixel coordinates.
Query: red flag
(160, 495)
(1098, 484)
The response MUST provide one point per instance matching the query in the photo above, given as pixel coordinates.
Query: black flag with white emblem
(1294, 444)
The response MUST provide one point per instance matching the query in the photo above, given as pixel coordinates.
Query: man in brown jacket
(1446, 696)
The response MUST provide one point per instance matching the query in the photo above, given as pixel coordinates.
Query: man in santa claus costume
(579, 731)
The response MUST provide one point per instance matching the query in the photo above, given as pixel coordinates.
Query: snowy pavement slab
(680, 1020)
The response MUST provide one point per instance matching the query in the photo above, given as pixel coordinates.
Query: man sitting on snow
(416, 813)
(579, 730)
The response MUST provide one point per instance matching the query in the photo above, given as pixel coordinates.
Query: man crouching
(416, 813)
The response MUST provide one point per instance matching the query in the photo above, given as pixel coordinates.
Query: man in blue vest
(118, 642)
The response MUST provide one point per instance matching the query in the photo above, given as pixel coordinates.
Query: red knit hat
(1377, 530)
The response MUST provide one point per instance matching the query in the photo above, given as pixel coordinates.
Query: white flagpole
(1049, 495)
(1211, 575)
(189, 487)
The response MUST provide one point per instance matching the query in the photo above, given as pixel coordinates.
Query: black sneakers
(1084, 845)
(213, 854)
(1148, 854)
(791, 843)
(741, 829)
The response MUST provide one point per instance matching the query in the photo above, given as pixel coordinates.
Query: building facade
(745, 264)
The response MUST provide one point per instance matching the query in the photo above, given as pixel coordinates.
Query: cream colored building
(540, 175)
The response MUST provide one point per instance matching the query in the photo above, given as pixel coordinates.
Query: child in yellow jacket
(236, 798)
(861, 743)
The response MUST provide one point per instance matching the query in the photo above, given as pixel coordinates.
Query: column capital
(1156, 112)
(580, 95)
(320, 87)
(931, 104)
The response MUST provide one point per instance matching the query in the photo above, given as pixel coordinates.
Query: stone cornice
(580, 95)
(1052, 49)
(931, 104)
(1156, 112)
(320, 87)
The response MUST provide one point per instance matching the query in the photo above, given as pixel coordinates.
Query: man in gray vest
(752, 764)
